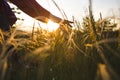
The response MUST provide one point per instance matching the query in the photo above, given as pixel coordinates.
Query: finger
(66, 22)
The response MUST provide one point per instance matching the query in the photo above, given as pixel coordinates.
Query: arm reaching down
(33, 9)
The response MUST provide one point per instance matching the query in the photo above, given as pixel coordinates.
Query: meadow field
(89, 51)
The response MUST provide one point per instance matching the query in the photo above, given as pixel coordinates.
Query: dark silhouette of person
(30, 7)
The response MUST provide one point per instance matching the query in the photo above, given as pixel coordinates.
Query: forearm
(31, 7)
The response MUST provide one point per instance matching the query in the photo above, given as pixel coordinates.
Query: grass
(61, 55)
(65, 54)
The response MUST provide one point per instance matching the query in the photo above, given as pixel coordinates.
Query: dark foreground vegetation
(66, 54)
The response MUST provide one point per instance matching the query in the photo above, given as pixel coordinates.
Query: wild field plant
(55, 55)
(7, 47)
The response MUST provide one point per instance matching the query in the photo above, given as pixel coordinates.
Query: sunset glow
(51, 26)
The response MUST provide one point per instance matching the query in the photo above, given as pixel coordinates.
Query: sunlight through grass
(51, 26)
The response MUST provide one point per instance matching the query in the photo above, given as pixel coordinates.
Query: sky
(78, 8)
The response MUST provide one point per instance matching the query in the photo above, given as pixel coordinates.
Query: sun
(51, 26)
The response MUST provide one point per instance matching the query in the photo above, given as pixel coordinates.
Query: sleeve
(33, 9)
